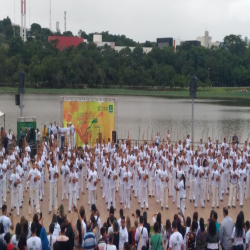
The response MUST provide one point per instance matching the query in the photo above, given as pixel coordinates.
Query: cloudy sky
(140, 19)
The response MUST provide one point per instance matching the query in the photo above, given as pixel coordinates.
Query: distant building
(205, 40)
(66, 41)
(165, 42)
(97, 39)
(192, 42)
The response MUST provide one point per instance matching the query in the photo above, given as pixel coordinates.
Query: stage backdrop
(90, 117)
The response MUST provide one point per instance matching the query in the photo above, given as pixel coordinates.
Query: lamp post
(192, 94)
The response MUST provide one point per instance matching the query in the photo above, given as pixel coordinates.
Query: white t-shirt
(34, 243)
(176, 241)
(248, 237)
(52, 240)
(14, 241)
(182, 190)
(142, 235)
(123, 237)
(91, 183)
(6, 223)
(57, 230)
(111, 247)
(72, 184)
(33, 173)
(52, 171)
(238, 241)
(13, 178)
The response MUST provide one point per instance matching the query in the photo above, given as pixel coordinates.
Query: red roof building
(66, 41)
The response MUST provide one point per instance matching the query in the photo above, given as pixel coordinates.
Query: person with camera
(73, 179)
(53, 176)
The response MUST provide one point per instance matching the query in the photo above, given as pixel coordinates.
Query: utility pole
(21, 90)
(192, 94)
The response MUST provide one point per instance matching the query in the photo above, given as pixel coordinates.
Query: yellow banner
(89, 119)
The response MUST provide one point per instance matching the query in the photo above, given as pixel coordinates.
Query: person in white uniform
(93, 180)
(20, 172)
(73, 179)
(4, 176)
(198, 185)
(181, 188)
(72, 132)
(191, 172)
(34, 176)
(164, 187)
(53, 176)
(65, 179)
(152, 167)
(112, 176)
(215, 185)
(127, 178)
(242, 180)
(234, 176)
(143, 177)
(14, 181)
(80, 164)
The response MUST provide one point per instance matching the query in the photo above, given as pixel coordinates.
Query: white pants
(144, 197)
(247, 187)
(198, 192)
(215, 196)
(80, 180)
(72, 198)
(8, 177)
(68, 141)
(170, 186)
(182, 205)
(4, 189)
(34, 196)
(26, 183)
(192, 189)
(20, 194)
(226, 182)
(205, 183)
(92, 197)
(164, 196)
(121, 192)
(241, 190)
(152, 186)
(158, 192)
(64, 188)
(127, 197)
(52, 195)
(111, 197)
(136, 185)
(221, 187)
(232, 194)
(14, 200)
(174, 190)
(73, 140)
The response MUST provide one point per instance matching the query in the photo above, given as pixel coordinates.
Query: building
(97, 39)
(165, 42)
(66, 41)
(205, 40)
(192, 42)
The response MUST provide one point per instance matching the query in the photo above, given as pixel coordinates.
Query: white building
(97, 39)
(205, 40)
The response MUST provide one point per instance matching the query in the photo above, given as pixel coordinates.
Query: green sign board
(28, 127)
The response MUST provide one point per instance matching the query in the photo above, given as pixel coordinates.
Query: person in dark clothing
(5, 143)
(69, 233)
(63, 240)
(38, 225)
(116, 234)
(146, 225)
(111, 211)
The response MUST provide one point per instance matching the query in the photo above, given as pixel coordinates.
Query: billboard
(90, 117)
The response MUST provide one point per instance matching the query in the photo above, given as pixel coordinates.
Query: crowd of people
(117, 233)
(159, 169)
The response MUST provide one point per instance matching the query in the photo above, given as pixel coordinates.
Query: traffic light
(192, 91)
(21, 87)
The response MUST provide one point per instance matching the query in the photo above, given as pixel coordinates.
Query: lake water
(146, 116)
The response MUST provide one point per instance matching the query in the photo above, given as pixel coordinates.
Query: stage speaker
(17, 99)
(114, 136)
(32, 134)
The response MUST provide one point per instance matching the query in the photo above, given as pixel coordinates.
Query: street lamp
(192, 94)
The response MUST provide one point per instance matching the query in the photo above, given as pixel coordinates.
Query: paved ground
(102, 207)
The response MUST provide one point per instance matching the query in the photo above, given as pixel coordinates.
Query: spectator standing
(51, 237)
(167, 234)
(123, 234)
(44, 239)
(116, 234)
(191, 236)
(22, 243)
(212, 236)
(141, 235)
(63, 240)
(238, 235)
(89, 240)
(225, 231)
(9, 245)
(34, 242)
(15, 237)
(201, 238)
(111, 246)
(6, 221)
(176, 239)
(156, 238)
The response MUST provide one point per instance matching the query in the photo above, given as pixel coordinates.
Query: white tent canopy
(3, 115)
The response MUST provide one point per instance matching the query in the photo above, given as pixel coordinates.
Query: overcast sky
(140, 20)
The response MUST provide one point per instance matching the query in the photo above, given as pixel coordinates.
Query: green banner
(28, 128)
